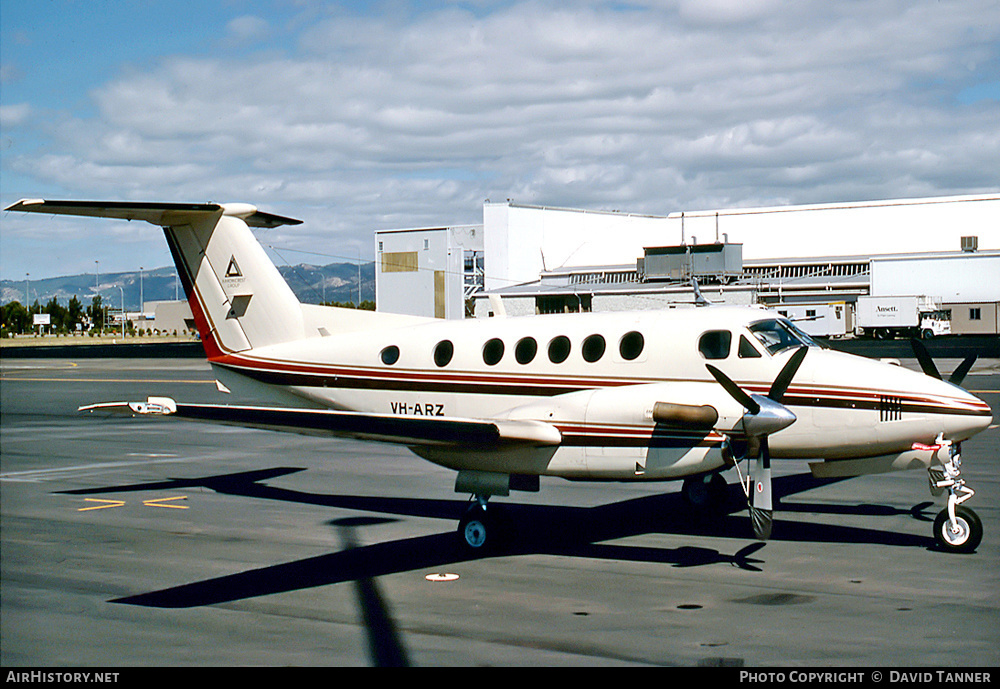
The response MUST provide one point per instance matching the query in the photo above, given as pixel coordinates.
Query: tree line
(17, 319)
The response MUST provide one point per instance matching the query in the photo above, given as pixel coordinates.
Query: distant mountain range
(312, 284)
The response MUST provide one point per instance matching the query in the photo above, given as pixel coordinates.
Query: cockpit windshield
(777, 334)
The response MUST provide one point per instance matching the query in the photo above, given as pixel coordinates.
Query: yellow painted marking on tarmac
(158, 502)
(106, 505)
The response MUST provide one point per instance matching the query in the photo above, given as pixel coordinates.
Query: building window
(572, 303)
(443, 352)
(975, 314)
(493, 352)
(399, 262)
(390, 355)
(631, 345)
(559, 349)
(593, 348)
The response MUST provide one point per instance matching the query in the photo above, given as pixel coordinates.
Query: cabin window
(715, 344)
(525, 350)
(493, 352)
(559, 349)
(390, 355)
(630, 346)
(593, 348)
(747, 350)
(443, 352)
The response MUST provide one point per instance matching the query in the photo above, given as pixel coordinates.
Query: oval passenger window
(525, 350)
(593, 348)
(390, 355)
(443, 352)
(631, 345)
(493, 352)
(559, 349)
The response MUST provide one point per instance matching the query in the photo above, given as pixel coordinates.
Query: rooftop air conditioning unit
(970, 243)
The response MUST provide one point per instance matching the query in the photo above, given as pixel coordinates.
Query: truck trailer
(903, 316)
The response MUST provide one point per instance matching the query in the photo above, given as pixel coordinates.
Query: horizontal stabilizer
(162, 214)
(390, 428)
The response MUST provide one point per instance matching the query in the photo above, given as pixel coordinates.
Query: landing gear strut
(957, 528)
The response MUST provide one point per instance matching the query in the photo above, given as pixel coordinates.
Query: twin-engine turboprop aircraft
(659, 395)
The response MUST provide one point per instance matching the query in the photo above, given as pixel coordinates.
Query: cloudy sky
(362, 116)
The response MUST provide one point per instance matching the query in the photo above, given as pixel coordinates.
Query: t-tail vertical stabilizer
(238, 298)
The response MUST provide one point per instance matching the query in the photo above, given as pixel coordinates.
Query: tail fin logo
(233, 271)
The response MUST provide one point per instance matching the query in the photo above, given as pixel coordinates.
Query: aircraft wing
(390, 428)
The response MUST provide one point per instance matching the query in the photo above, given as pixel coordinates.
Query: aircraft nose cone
(973, 416)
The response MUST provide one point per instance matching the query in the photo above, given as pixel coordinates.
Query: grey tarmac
(156, 542)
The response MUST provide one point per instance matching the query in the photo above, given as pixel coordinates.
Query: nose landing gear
(957, 528)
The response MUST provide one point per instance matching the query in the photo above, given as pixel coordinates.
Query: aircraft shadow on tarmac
(531, 529)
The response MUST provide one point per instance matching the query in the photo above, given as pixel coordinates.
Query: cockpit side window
(747, 350)
(777, 334)
(715, 344)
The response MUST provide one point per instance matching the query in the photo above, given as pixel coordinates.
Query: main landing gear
(706, 493)
(473, 527)
(957, 528)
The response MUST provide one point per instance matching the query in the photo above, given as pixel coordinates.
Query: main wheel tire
(967, 534)
(473, 529)
(705, 493)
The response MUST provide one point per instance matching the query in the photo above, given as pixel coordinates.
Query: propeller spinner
(765, 415)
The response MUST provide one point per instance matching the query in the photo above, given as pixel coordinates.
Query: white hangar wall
(522, 242)
(838, 229)
(968, 277)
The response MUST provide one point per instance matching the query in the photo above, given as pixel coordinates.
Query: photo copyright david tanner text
(889, 676)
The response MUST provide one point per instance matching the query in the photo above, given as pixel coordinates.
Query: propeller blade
(924, 359)
(734, 390)
(761, 507)
(958, 375)
(784, 379)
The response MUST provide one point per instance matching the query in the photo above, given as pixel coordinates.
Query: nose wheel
(961, 534)
(957, 528)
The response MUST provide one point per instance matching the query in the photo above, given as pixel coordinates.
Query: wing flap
(390, 428)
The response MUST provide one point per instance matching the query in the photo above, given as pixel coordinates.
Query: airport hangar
(527, 259)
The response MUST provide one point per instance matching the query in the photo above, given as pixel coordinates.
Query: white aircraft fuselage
(652, 395)
(845, 406)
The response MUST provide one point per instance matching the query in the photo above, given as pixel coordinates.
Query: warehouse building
(532, 259)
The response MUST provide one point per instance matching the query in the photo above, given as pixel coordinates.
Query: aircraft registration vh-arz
(675, 394)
